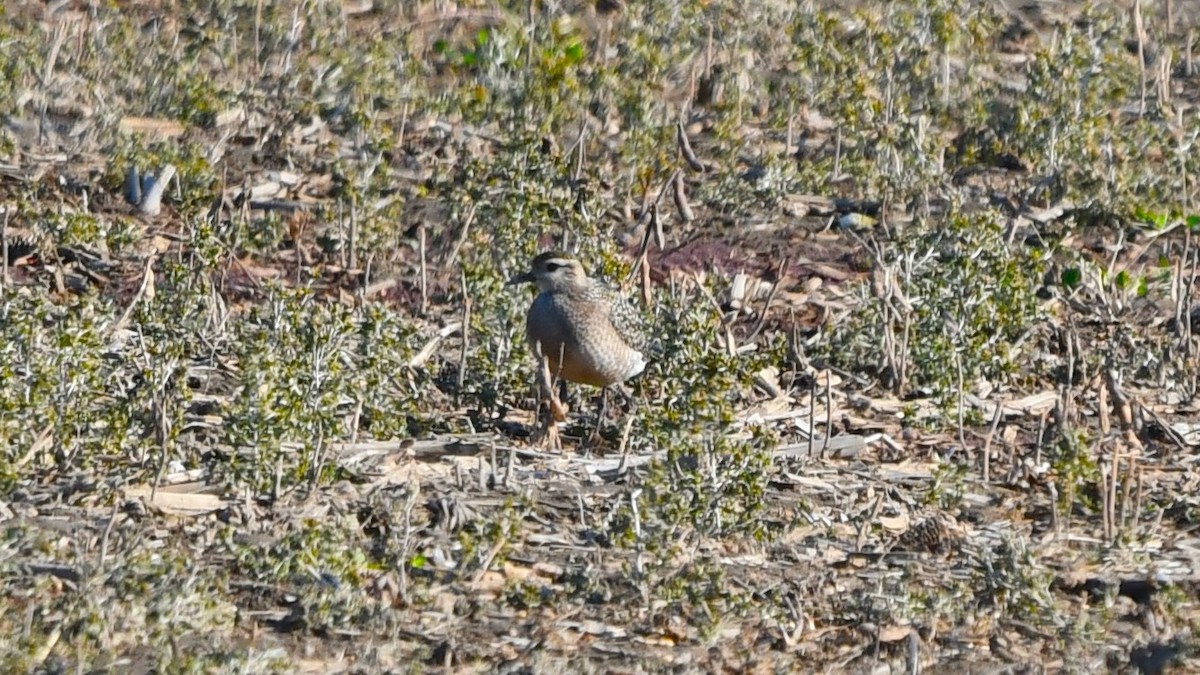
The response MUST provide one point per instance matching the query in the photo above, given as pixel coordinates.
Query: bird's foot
(546, 434)
(558, 409)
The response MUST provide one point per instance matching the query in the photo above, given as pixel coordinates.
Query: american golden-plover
(579, 329)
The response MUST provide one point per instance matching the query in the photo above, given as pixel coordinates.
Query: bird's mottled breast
(588, 334)
(546, 322)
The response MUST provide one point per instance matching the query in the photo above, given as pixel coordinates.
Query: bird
(580, 329)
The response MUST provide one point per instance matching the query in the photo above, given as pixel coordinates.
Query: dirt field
(922, 285)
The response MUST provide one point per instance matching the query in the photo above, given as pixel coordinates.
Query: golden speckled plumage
(587, 331)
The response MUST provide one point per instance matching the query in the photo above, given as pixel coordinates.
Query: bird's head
(552, 271)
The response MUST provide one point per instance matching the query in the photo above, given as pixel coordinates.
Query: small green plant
(970, 298)
(1078, 472)
(949, 484)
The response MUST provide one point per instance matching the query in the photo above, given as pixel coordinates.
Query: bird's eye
(552, 267)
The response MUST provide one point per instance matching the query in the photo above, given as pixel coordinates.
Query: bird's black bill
(524, 278)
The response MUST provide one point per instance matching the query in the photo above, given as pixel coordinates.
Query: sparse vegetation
(922, 277)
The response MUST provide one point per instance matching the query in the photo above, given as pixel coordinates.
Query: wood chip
(150, 126)
(182, 503)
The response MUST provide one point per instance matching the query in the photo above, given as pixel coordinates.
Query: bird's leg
(546, 434)
(595, 439)
(556, 412)
(630, 418)
(547, 380)
(557, 405)
(630, 412)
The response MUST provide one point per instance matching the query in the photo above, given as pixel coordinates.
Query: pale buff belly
(584, 352)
